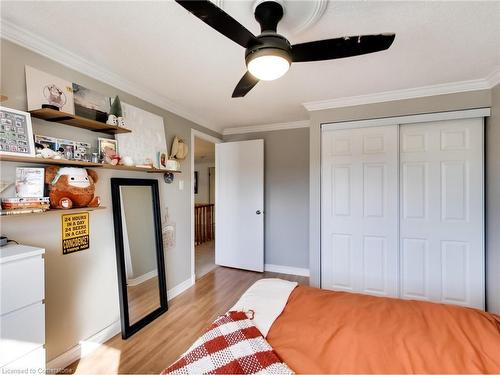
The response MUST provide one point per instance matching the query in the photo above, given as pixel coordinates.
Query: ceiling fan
(268, 56)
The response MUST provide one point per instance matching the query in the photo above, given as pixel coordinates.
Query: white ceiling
(166, 50)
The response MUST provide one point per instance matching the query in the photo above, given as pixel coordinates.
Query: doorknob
(258, 212)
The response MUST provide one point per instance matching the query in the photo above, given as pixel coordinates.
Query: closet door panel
(374, 264)
(359, 210)
(414, 259)
(442, 206)
(342, 261)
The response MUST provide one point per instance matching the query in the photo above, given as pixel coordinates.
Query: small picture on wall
(90, 104)
(196, 182)
(44, 88)
(16, 133)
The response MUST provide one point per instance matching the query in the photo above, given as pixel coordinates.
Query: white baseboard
(140, 279)
(87, 346)
(179, 288)
(287, 270)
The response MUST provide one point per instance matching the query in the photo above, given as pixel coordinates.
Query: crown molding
(418, 92)
(494, 77)
(42, 46)
(266, 127)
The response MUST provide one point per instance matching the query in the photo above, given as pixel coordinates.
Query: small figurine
(111, 156)
(112, 120)
(121, 121)
(47, 153)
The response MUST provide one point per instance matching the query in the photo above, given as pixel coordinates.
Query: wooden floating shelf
(52, 115)
(34, 160)
(137, 169)
(59, 210)
(76, 163)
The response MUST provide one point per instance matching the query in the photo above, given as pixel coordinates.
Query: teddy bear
(71, 187)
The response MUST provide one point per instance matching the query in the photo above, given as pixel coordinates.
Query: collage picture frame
(16, 133)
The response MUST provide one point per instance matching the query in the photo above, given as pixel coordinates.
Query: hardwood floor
(160, 343)
(204, 258)
(142, 299)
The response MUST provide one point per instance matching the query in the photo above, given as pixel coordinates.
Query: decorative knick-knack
(116, 107)
(120, 121)
(112, 120)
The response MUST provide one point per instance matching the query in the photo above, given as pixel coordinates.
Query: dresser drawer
(21, 332)
(22, 283)
(33, 362)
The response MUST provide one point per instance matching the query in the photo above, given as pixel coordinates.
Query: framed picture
(195, 186)
(29, 182)
(90, 104)
(162, 158)
(16, 133)
(44, 88)
(82, 151)
(67, 147)
(47, 142)
(106, 142)
(147, 138)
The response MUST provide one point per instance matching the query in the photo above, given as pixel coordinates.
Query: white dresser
(22, 309)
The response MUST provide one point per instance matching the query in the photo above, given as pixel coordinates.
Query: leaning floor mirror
(139, 252)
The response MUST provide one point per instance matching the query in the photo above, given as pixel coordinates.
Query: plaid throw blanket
(231, 345)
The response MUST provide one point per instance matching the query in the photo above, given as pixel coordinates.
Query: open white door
(239, 217)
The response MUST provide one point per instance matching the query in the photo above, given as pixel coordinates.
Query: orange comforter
(322, 331)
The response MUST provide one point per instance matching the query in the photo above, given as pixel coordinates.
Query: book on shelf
(19, 203)
(21, 211)
(145, 166)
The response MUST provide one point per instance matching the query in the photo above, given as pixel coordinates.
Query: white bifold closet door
(403, 211)
(441, 227)
(359, 211)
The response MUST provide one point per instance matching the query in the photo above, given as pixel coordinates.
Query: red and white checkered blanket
(231, 345)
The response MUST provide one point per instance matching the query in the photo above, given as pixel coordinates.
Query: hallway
(204, 258)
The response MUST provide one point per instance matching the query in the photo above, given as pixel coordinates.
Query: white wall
(203, 181)
(286, 195)
(493, 204)
(81, 288)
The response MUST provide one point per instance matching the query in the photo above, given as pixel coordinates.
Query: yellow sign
(75, 232)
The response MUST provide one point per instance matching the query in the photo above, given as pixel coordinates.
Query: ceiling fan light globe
(268, 67)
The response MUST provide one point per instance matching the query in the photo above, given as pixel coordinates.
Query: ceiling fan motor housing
(272, 44)
(268, 14)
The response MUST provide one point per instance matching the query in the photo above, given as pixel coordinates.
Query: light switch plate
(181, 184)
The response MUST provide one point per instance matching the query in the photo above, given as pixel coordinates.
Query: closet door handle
(258, 212)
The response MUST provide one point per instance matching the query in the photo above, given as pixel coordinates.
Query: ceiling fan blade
(219, 20)
(341, 47)
(246, 83)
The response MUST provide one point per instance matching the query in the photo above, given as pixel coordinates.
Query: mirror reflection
(139, 251)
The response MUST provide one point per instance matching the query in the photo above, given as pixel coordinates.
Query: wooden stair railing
(204, 228)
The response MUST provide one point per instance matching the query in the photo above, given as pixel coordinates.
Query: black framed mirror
(139, 252)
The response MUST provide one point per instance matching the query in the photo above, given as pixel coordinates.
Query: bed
(319, 331)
